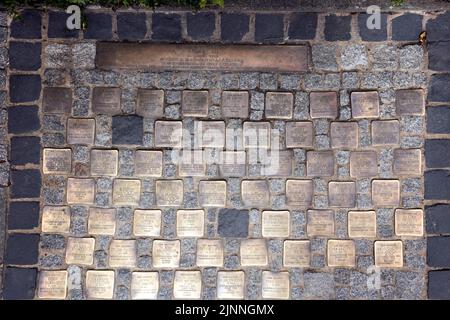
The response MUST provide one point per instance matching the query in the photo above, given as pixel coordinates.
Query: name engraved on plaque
(362, 224)
(277, 163)
(388, 254)
(147, 223)
(102, 221)
(341, 253)
(187, 285)
(80, 251)
(57, 161)
(363, 164)
(344, 135)
(342, 194)
(275, 224)
(169, 192)
(299, 192)
(144, 285)
(320, 223)
(365, 104)
(254, 252)
(385, 192)
(323, 105)
(279, 105)
(57, 100)
(235, 104)
(409, 222)
(122, 253)
(385, 132)
(410, 102)
(148, 163)
(255, 193)
(168, 134)
(211, 134)
(230, 284)
(296, 253)
(80, 131)
(104, 162)
(99, 284)
(209, 253)
(256, 134)
(191, 163)
(213, 193)
(106, 100)
(190, 223)
(195, 103)
(319, 163)
(80, 191)
(407, 162)
(55, 219)
(232, 163)
(299, 134)
(166, 253)
(150, 103)
(126, 192)
(52, 284)
(275, 285)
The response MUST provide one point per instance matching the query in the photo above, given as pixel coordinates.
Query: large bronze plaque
(320, 163)
(169, 192)
(126, 192)
(344, 135)
(342, 194)
(296, 253)
(363, 164)
(256, 134)
(279, 105)
(389, 254)
(362, 224)
(320, 223)
(410, 102)
(385, 132)
(299, 192)
(275, 285)
(80, 251)
(147, 223)
(190, 223)
(409, 222)
(235, 104)
(189, 57)
(232, 163)
(299, 134)
(144, 285)
(99, 284)
(102, 221)
(323, 105)
(187, 285)
(365, 104)
(55, 219)
(230, 284)
(80, 131)
(57, 161)
(275, 224)
(166, 253)
(385, 192)
(52, 284)
(211, 134)
(150, 103)
(106, 100)
(168, 134)
(148, 163)
(104, 162)
(195, 103)
(122, 254)
(80, 191)
(341, 253)
(57, 100)
(254, 252)
(255, 193)
(209, 253)
(407, 162)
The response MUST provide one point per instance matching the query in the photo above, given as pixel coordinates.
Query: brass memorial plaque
(148, 163)
(363, 164)
(102, 221)
(189, 57)
(195, 103)
(409, 222)
(99, 284)
(80, 131)
(104, 162)
(385, 132)
(232, 163)
(277, 163)
(147, 223)
(80, 251)
(106, 100)
(122, 254)
(55, 219)
(213, 193)
(320, 223)
(150, 103)
(410, 102)
(80, 191)
(144, 285)
(342, 194)
(235, 104)
(407, 162)
(169, 192)
(254, 252)
(255, 193)
(275, 224)
(230, 285)
(299, 192)
(362, 224)
(166, 253)
(190, 223)
(126, 192)
(52, 284)
(388, 254)
(344, 135)
(385, 192)
(299, 134)
(211, 134)
(296, 253)
(191, 163)
(365, 104)
(319, 163)
(256, 134)
(57, 100)
(279, 105)
(341, 253)
(323, 105)
(187, 285)
(275, 285)
(168, 134)
(57, 161)
(209, 253)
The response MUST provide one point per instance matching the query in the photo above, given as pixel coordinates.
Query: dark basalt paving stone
(22, 119)
(372, 34)
(57, 25)
(233, 26)
(407, 27)
(25, 183)
(27, 25)
(24, 88)
(302, 26)
(436, 252)
(439, 56)
(25, 56)
(233, 223)
(127, 130)
(25, 150)
(166, 27)
(437, 153)
(438, 119)
(201, 25)
(23, 215)
(438, 29)
(20, 284)
(269, 28)
(337, 28)
(22, 249)
(439, 88)
(437, 185)
(131, 26)
(439, 284)
(437, 217)
(99, 26)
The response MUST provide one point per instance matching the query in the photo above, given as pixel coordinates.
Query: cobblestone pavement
(96, 205)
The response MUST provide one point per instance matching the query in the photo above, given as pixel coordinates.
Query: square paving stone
(269, 28)
(439, 284)
(22, 249)
(131, 26)
(25, 183)
(25, 150)
(23, 215)
(57, 25)
(24, 88)
(166, 27)
(437, 217)
(437, 185)
(302, 26)
(24, 56)
(27, 25)
(233, 26)
(438, 56)
(127, 130)
(201, 25)
(20, 284)
(372, 34)
(337, 28)
(57, 100)
(438, 28)
(99, 26)
(233, 223)
(439, 88)
(23, 119)
(437, 153)
(407, 27)
(438, 119)
(436, 252)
